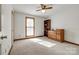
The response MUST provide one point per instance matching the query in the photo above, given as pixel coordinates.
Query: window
(29, 26)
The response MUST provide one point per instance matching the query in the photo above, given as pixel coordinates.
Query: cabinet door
(60, 36)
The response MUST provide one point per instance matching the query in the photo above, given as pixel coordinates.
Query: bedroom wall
(20, 25)
(68, 18)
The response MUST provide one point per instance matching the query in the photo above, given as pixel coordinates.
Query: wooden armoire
(47, 26)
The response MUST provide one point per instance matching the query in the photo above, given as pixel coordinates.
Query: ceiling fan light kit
(43, 11)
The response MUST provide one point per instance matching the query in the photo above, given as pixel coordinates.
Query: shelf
(47, 26)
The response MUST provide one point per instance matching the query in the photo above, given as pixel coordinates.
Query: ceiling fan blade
(42, 6)
(49, 8)
(38, 9)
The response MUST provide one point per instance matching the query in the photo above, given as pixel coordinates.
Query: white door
(5, 37)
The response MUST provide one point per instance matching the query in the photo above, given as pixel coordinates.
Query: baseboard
(40, 36)
(27, 38)
(71, 42)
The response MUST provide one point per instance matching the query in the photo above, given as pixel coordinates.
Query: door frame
(12, 25)
(26, 26)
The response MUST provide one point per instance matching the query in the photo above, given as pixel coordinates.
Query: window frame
(28, 27)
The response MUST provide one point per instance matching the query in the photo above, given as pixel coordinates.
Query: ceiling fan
(44, 7)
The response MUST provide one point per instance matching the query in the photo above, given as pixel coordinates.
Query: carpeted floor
(43, 46)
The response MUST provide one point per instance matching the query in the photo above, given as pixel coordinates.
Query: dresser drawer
(52, 34)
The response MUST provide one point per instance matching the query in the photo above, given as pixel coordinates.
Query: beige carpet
(43, 46)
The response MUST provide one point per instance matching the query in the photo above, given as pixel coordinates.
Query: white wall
(68, 18)
(6, 27)
(20, 25)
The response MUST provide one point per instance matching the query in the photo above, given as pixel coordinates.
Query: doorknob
(2, 37)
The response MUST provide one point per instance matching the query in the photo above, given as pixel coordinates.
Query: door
(5, 33)
(29, 27)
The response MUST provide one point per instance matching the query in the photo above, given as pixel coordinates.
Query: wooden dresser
(58, 34)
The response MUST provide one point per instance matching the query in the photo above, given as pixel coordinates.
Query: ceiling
(31, 9)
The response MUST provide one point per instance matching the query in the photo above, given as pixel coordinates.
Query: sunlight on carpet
(43, 43)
